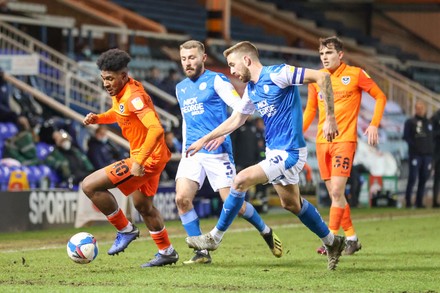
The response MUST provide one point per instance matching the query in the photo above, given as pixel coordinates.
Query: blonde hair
(193, 44)
(242, 47)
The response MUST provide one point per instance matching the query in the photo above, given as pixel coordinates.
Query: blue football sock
(253, 217)
(310, 217)
(191, 223)
(231, 207)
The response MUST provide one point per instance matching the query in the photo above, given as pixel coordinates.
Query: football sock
(120, 221)
(231, 207)
(191, 223)
(328, 240)
(310, 217)
(253, 217)
(347, 225)
(217, 234)
(162, 241)
(336, 214)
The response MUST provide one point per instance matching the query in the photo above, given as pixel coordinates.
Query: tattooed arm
(330, 128)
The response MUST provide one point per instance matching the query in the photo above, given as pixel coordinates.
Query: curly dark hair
(113, 60)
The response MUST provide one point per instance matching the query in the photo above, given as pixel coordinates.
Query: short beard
(197, 72)
(246, 75)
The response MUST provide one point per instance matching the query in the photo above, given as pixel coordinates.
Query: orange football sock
(118, 219)
(335, 219)
(161, 239)
(346, 223)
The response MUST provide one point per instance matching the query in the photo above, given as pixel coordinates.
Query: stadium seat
(43, 150)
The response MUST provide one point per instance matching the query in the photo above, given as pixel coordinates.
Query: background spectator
(70, 163)
(418, 134)
(101, 152)
(245, 145)
(436, 158)
(175, 148)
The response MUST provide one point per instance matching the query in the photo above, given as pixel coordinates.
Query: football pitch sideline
(400, 254)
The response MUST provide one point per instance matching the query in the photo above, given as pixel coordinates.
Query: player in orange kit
(335, 159)
(138, 175)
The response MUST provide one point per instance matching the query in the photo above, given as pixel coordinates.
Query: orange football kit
(134, 112)
(348, 82)
(336, 158)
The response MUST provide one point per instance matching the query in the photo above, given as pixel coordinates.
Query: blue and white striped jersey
(276, 97)
(203, 103)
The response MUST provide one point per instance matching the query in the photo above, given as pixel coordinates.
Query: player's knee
(145, 206)
(183, 203)
(88, 187)
(240, 183)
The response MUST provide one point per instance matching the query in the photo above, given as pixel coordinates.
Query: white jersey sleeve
(226, 91)
(288, 75)
(246, 106)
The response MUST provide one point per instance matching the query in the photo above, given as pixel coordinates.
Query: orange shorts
(120, 176)
(335, 159)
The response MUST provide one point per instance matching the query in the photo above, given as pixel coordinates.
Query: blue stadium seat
(43, 150)
(7, 130)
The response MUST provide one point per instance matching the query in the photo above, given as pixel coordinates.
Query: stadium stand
(266, 22)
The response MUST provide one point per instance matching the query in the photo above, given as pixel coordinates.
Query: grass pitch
(400, 254)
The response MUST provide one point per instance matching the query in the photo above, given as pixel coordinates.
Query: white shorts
(282, 167)
(219, 169)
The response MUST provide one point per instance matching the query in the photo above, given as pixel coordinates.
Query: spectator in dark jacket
(436, 136)
(418, 133)
(101, 151)
(70, 163)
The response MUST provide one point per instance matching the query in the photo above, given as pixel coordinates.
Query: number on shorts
(345, 162)
(229, 170)
(121, 168)
(276, 159)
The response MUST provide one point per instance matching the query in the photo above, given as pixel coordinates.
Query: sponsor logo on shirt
(346, 80)
(137, 103)
(192, 106)
(264, 108)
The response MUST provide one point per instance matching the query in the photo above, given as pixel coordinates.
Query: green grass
(400, 254)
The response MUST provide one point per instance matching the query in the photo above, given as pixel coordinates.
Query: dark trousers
(436, 199)
(419, 168)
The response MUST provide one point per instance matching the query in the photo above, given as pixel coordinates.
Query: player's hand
(373, 136)
(215, 143)
(90, 118)
(330, 128)
(195, 147)
(137, 170)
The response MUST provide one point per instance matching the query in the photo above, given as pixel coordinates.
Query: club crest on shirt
(121, 108)
(202, 86)
(266, 88)
(137, 103)
(346, 80)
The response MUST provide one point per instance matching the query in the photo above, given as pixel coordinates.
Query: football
(82, 248)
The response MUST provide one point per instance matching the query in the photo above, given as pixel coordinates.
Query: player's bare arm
(330, 128)
(236, 120)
